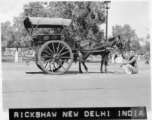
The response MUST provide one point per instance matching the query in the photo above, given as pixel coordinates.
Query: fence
(21, 51)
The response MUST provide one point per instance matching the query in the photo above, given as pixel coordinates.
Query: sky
(132, 12)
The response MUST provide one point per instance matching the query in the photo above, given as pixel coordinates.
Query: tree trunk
(16, 55)
(21, 55)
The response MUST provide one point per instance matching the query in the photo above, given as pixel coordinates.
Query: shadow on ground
(77, 72)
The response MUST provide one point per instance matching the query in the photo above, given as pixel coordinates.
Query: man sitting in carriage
(130, 66)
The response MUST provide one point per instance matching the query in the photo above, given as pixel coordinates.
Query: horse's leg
(80, 61)
(106, 62)
(102, 61)
(80, 70)
(83, 62)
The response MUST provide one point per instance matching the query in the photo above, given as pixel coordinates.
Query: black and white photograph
(75, 54)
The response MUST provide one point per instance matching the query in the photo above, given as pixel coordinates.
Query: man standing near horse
(130, 66)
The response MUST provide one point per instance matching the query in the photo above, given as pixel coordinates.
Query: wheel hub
(55, 56)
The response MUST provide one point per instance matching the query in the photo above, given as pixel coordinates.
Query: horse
(88, 47)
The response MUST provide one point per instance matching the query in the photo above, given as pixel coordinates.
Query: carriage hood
(39, 22)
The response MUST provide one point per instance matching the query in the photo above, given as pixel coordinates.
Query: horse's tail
(75, 57)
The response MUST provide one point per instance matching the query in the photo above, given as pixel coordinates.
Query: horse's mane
(111, 41)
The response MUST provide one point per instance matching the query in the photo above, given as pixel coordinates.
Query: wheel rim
(55, 57)
(38, 65)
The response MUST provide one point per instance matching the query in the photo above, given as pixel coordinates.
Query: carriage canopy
(39, 22)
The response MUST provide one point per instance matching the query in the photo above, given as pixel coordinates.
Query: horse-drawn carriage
(52, 54)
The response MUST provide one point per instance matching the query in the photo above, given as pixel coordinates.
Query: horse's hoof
(81, 72)
(106, 72)
(86, 72)
(101, 71)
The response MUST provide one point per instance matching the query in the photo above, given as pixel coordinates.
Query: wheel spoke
(46, 57)
(62, 65)
(46, 64)
(57, 67)
(58, 48)
(47, 52)
(53, 66)
(48, 60)
(64, 57)
(53, 47)
(63, 53)
(61, 50)
(50, 66)
(50, 49)
(50, 63)
(58, 64)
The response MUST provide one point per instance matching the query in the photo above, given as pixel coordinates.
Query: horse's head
(119, 42)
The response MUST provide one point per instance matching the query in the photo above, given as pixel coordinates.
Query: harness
(95, 47)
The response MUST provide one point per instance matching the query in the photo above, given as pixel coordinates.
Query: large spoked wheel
(55, 57)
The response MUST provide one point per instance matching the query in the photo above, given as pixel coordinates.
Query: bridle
(120, 46)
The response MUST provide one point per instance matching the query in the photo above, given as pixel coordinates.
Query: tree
(21, 35)
(7, 32)
(134, 46)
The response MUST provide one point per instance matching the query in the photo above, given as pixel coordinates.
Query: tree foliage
(14, 35)
(6, 33)
(86, 16)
